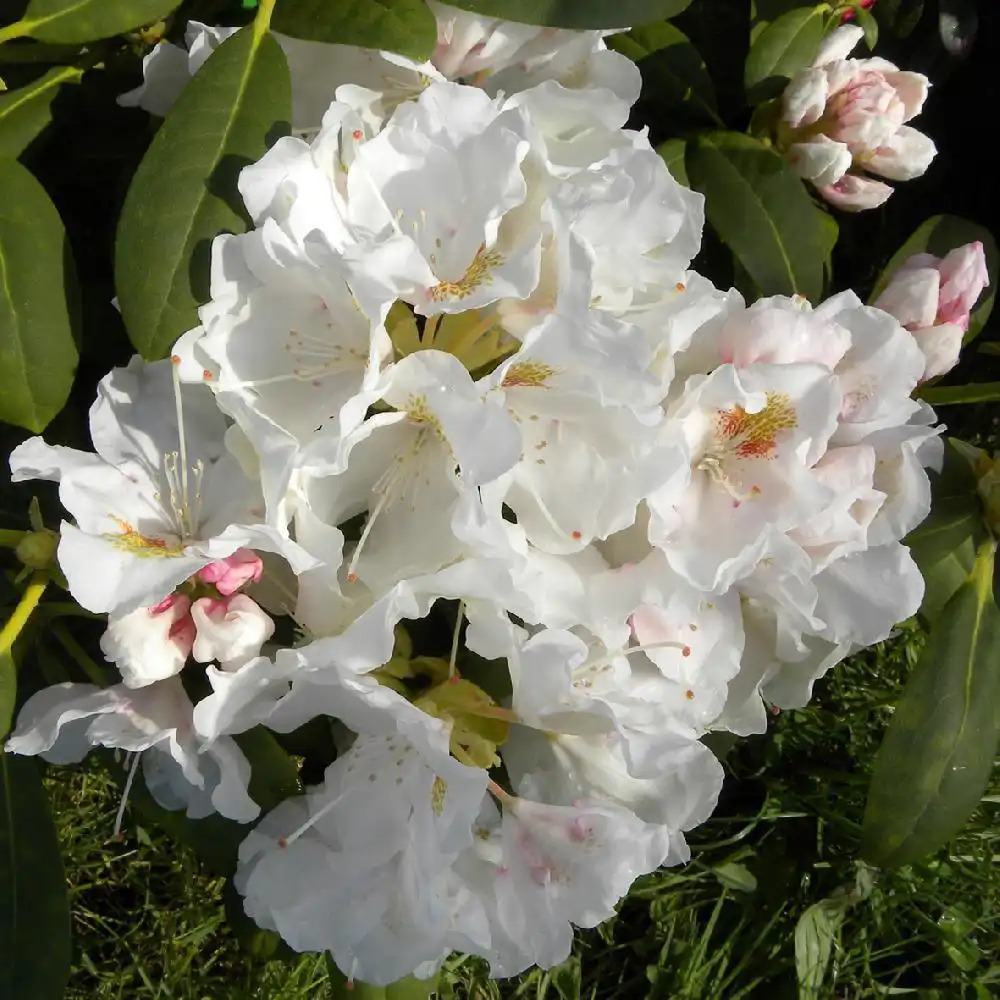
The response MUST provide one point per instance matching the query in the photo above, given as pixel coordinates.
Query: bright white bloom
(62, 722)
(161, 499)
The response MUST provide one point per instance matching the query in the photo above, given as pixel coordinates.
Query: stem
(453, 659)
(79, 655)
(29, 601)
(10, 539)
(262, 19)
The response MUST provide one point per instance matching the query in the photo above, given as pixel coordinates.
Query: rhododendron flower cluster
(460, 368)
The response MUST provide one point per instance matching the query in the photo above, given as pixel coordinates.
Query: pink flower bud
(229, 574)
(933, 298)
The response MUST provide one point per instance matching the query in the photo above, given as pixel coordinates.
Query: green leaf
(868, 24)
(939, 235)
(672, 152)
(77, 21)
(184, 192)
(34, 909)
(565, 978)
(899, 17)
(8, 692)
(950, 395)
(674, 77)
(38, 299)
(935, 760)
(761, 210)
(404, 26)
(944, 545)
(577, 13)
(26, 111)
(815, 935)
(733, 875)
(786, 45)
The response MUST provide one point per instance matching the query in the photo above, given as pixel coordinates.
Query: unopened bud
(38, 549)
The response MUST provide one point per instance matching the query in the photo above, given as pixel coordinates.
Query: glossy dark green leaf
(26, 111)
(787, 44)
(868, 25)
(404, 26)
(939, 235)
(672, 153)
(578, 13)
(72, 21)
(935, 760)
(950, 395)
(761, 211)
(944, 545)
(184, 192)
(38, 298)
(34, 909)
(674, 76)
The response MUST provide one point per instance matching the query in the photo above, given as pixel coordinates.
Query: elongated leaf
(73, 21)
(34, 910)
(900, 17)
(578, 13)
(404, 26)
(935, 760)
(939, 235)
(8, 692)
(37, 303)
(762, 211)
(672, 152)
(26, 111)
(815, 935)
(786, 45)
(184, 192)
(674, 76)
(950, 395)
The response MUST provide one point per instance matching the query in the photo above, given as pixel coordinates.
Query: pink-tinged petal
(941, 346)
(231, 631)
(912, 90)
(822, 161)
(839, 44)
(964, 275)
(856, 194)
(908, 154)
(229, 574)
(912, 296)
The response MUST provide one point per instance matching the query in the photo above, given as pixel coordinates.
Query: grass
(148, 924)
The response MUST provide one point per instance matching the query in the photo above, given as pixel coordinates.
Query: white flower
(62, 722)
(161, 498)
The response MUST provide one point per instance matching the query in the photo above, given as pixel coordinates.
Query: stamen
(632, 650)
(187, 529)
(284, 842)
(125, 793)
(452, 660)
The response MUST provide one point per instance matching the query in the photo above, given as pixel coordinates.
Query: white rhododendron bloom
(845, 119)
(463, 459)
